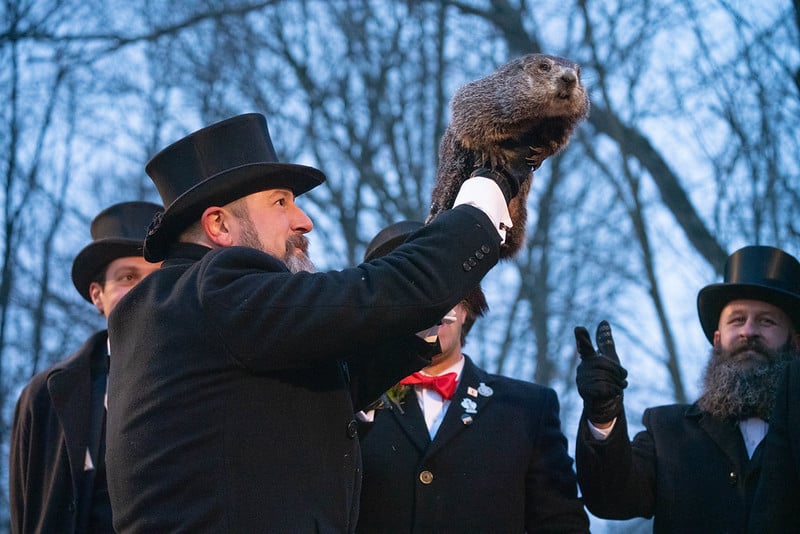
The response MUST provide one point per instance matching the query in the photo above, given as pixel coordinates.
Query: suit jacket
(49, 441)
(776, 507)
(232, 410)
(498, 463)
(687, 469)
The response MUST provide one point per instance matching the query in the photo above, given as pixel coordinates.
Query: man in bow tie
(453, 448)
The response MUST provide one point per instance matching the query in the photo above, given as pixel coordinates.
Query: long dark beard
(736, 388)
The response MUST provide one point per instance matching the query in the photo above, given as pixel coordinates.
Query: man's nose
(750, 328)
(301, 222)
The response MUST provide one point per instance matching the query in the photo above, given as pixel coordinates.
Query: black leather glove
(600, 377)
(509, 184)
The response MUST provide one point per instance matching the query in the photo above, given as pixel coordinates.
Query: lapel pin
(472, 392)
(469, 406)
(485, 390)
(466, 419)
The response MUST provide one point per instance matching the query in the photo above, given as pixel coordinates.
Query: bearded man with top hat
(57, 475)
(695, 468)
(237, 370)
(776, 507)
(453, 448)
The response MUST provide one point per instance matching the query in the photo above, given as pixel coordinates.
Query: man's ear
(217, 224)
(715, 341)
(95, 290)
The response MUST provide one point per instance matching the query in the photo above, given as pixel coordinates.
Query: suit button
(467, 267)
(472, 261)
(352, 429)
(479, 254)
(485, 249)
(426, 477)
(732, 478)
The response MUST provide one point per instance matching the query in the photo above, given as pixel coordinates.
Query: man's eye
(282, 201)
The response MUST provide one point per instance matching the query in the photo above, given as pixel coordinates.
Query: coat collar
(474, 392)
(69, 386)
(185, 252)
(724, 433)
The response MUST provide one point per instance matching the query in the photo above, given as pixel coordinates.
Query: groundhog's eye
(544, 67)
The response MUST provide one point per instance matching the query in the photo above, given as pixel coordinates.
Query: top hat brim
(713, 298)
(390, 238)
(221, 189)
(96, 256)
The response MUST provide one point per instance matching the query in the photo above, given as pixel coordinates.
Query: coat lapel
(473, 394)
(412, 421)
(725, 434)
(69, 387)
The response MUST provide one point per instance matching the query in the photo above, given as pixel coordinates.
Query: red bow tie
(445, 385)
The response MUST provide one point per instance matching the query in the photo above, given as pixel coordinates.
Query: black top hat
(215, 166)
(754, 273)
(390, 238)
(117, 232)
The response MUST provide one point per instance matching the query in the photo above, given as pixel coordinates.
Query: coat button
(733, 478)
(426, 477)
(467, 267)
(485, 249)
(352, 429)
(479, 254)
(472, 261)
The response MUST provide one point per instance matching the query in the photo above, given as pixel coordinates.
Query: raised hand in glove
(507, 181)
(600, 377)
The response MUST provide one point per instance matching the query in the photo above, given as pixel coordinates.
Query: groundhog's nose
(570, 77)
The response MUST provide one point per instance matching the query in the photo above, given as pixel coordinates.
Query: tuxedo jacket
(776, 507)
(232, 408)
(498, 463)
(49, 441)
(688, 470)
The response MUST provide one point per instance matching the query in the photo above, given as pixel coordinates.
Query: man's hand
(508, 183)
(600, 377)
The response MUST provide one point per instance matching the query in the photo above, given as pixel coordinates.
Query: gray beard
(736, 389)
(296, 257)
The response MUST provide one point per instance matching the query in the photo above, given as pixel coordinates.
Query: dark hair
(476, 306)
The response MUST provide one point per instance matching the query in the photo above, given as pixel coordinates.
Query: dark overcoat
(498, 463)
(49, 441)
(688, 470)
(232, 410)
(776, 507)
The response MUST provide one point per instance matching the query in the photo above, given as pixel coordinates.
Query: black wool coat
(498, 465)
(688, 470)
(776, 507)
(49, 441)
(232, 408)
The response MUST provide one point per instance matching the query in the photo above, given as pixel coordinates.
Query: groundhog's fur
(513, 119)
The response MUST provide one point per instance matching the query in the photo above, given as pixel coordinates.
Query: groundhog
(511, 120)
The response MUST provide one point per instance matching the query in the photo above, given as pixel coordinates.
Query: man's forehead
(751, 306)
(129, 262)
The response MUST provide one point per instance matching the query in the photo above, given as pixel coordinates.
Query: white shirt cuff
(485, 194)
(601, 433)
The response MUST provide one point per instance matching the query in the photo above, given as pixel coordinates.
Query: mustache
(297, 242)
(752, 345)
